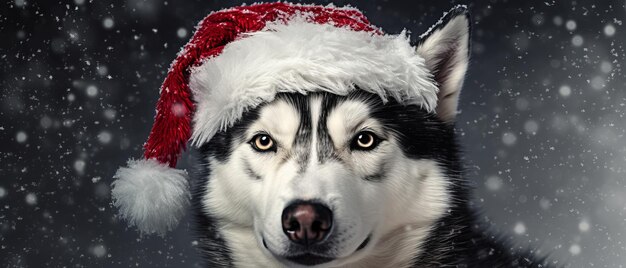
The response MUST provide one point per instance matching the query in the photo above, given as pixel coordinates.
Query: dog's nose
(307, 223)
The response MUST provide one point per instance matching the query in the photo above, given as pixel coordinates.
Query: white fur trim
(150, 195)
(304, 57)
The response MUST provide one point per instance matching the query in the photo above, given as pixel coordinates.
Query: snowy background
(542, 123)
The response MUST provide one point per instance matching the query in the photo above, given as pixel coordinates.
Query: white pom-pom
(151, 195)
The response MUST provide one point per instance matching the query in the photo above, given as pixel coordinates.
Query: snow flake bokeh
(542, 123)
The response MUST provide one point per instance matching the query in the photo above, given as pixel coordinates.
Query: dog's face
(327, 180)
(322, 178)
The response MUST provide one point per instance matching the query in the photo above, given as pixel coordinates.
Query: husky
(328, 180)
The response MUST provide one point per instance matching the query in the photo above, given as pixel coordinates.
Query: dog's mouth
(364, 244)
(309, 258)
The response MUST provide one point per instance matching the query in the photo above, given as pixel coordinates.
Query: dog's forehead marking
(305, 138)
(316, 111)
(313, 127)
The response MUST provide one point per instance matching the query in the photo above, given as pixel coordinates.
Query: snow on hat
(242, 57)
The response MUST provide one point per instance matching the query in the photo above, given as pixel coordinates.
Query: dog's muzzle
(309, 226)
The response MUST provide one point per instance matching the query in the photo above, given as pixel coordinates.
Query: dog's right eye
(263, 143)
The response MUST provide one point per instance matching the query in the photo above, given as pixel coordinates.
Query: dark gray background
(542, 123)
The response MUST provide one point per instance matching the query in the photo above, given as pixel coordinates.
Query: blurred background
(542, 123)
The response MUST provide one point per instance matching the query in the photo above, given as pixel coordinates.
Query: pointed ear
(445, 48)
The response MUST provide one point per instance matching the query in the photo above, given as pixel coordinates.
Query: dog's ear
(445, 49)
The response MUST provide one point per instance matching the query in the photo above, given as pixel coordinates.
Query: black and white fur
(402, 204)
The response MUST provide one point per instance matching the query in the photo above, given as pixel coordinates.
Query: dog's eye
(365, 141)
(263, 143)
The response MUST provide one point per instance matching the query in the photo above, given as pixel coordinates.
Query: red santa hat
(242, 57)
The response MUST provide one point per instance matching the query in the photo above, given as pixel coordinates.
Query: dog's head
(323, 179)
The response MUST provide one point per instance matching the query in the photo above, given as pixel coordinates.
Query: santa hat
(242, 57)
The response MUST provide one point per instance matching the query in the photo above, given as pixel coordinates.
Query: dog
(329, 180)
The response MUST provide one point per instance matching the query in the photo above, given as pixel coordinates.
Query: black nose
(307, 223)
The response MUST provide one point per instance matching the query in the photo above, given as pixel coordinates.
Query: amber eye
(365, 141)
(263, 143)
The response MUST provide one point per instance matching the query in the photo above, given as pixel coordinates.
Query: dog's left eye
(365, 141)
(263, 143)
